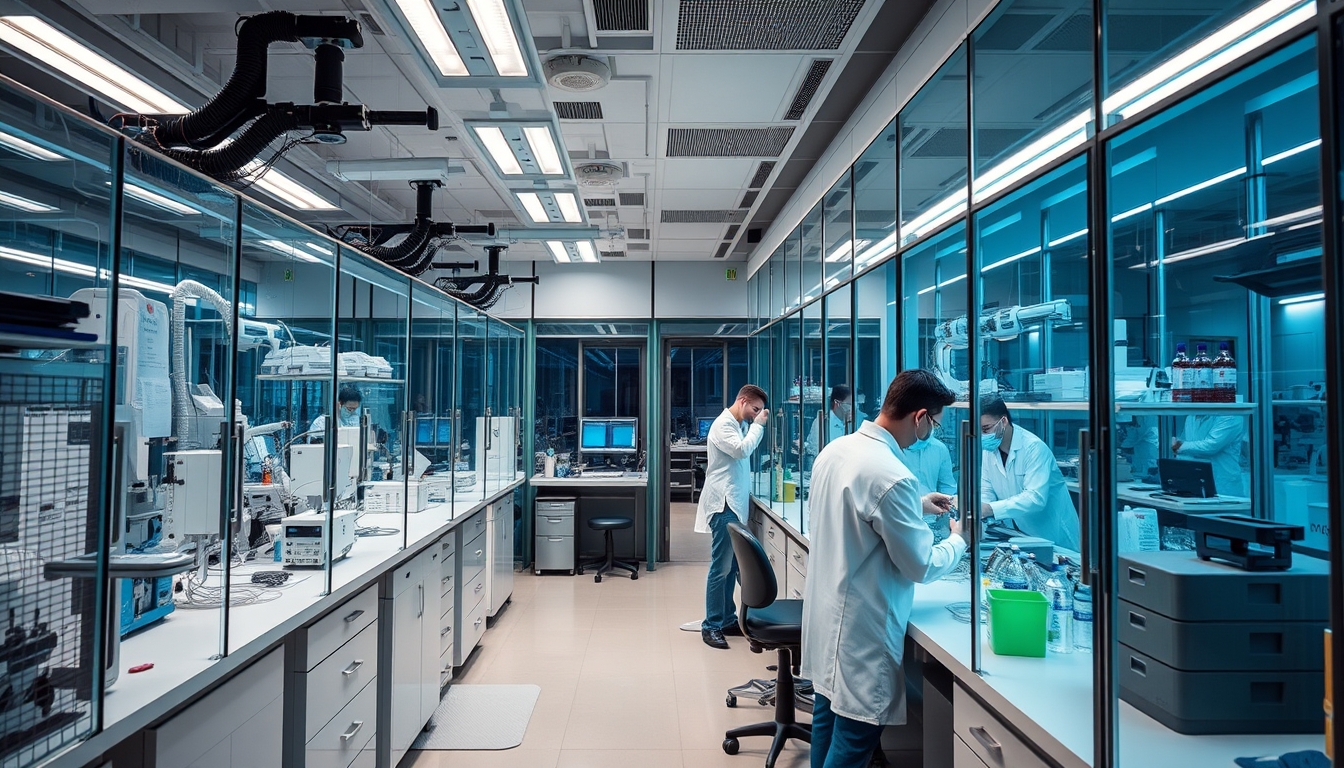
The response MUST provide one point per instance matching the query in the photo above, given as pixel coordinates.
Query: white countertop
(591, 481)
(688, 448)
(1050, 699)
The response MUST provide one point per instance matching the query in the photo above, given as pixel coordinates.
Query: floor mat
(480, 717)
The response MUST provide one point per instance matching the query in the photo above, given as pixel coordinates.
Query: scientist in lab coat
(929, 460)
(1020, 483)
(347, 414)
(724, 500)
(869, 547)
(1215, 439)
(837, 420)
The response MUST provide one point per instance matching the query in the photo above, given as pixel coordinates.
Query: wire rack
(49, 480)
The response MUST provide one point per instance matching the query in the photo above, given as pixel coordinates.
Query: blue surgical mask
(922, 442)
(348, 418)
(991, 441)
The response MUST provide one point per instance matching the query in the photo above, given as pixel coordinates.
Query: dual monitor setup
(609, 435)
(433, 431)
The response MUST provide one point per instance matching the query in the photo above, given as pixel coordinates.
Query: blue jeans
(720, 611)
(837, 741)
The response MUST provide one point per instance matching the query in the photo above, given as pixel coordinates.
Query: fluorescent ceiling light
(1034, 156)
(427, 26)
(942, 212)
(1131, 212)
(569, 207)
(1219, 179)
(943, 284)
(535, 210)
(281, 247)
(24, 204)
(1067, 238)
(26, 148)
(157, 200)
(315, 248)
(75, 268)
(844, 251)
(42, 42)
(291, 193)
(587, 252)
(1011, 259)
(1287, 153)
(880, 250)
(1203, 250)
(1301, 299)
(558, 252)
(1306, 225)
(1289, 218)
(498, 147)
(543, 149)
(492, 19)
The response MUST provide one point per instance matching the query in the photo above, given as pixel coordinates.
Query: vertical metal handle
(421, 587)
(970, 531)
(1085, 505)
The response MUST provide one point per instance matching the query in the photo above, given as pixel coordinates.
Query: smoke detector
(577, 73)
(599, 173)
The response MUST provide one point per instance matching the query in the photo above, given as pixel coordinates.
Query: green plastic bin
(1017, 621)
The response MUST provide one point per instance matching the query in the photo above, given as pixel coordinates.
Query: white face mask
(844, 410)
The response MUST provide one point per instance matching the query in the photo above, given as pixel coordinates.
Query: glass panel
(763, 460)
(792, 271)
(839, 243)
(875, 200)
(1154, 49)
(812, 244)
(776, 264)
(1032, 336)
(54, 231)
(934, 151)
(816, 418)
(557, 419)
(1215, 243)
(738, 370)
(433, 440)
(470, 403)
(1032, 95)
(679, 393)
(501, 433)
(611, 429)
(790, 391)
(876, 330)
(840, 359)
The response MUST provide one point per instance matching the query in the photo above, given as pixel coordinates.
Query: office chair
(769, 625)
(608, 562)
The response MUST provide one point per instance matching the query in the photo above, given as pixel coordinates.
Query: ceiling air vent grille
(704, 217)
(732, 231)
(722, 251)
(632, 198)
(815, 74)
(613, 254)
(578, 110)
(637, 246)
(600, 202)
(637, 234)
(764, 25)
(763, 172)
(621, 15)
(370, 24)
(727, 142)
(748, 199)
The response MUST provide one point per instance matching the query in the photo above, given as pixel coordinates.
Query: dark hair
(840, 393)
(753, 392)
(349, 395)
(915, 390)
(993, 405)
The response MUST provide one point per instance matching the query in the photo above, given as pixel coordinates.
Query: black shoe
(733, 629)
(714, 638)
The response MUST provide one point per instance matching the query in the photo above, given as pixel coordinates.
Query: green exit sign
(730, 274)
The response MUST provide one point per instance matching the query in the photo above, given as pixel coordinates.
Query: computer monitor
(593, 435)
(622, 434)
(444, 434)
(703, 430)
(424, 431)
(1187, 478)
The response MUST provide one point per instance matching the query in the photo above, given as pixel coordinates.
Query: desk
(1173, 511)
(603, 496)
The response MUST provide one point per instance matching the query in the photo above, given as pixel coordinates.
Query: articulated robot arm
(999, 325)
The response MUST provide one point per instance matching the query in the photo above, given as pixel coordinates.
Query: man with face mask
(931, 463)
(347, 414)
(1020, 483)
(837, 420)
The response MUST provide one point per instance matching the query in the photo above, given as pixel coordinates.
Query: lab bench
(591, 495)
(1022, 712)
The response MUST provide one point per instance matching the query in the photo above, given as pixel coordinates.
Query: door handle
(986, 741)
(354, 667)
(421, 587)
(1085, 505)
(354, 728)
(354, 615)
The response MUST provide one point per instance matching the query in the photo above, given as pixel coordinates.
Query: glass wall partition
(839, 354)
(792, 402)
(876, 333)
(431, 444)
(812, 242)
(933, 151)
(557, 420)
(791, 261)
(818, 420)
(839, 243)
(875, 200)
(470, 403)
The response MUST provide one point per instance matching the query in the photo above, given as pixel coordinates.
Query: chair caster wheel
(731, 701)
(634, 577)
(730, 746)
(598, 578)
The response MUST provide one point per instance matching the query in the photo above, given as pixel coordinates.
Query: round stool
(608, 562)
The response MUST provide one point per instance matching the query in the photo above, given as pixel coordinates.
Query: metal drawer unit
(554, 550)
(987, 737)
(469, 602)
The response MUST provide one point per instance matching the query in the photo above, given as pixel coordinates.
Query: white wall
(606, 291)
(938, 34)
(634, 290)
(690, 289)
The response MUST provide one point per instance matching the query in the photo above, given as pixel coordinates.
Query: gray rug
(480, 717)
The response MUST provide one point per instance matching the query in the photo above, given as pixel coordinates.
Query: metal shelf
(28, 341)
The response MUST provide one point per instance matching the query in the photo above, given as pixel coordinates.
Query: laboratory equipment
(1202, 366)
(702, 430)
(1246, 542)
(307, 469)
(497, 448)
(1003, 324)
(1206, 647)
(305, 537)
(1182, 376)
(1186, 478)
(194, 494)
(389, 495)
(265, 503)
(443, 432)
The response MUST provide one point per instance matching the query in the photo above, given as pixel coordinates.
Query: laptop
(1187, 479)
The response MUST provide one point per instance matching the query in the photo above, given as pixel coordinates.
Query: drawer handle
(354, 616)
(554, 538)
(445, 580)
(798, 556)
(445, 631)
(1137, 621)
(354, 665)
(354, 728)
(986, 741)
(480, 552)
(478, 622)
(479, 587)
(1137, 576)
(1138, 666)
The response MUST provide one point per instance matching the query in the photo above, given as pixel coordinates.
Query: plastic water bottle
(1014, 574)
(1059, 631)
(1036, 575)
(1082, 619)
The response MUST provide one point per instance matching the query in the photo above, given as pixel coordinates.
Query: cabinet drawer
(797, 583)
(963, 757)
(472, 556)
(446, 630)
(336, 628)
(473, 627)
(781, 571)
(475, 526)
(554, 553)
(987, 737)
(563, 507)
(473, 591)
(339, 743)
(447, 576)
(797, 556)
(555, 525)
(446, 666)
(335, 682)
(447, 546)
(774, 537)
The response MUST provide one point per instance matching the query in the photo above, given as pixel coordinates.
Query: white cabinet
(471, 605)
(411, 617)
(238, 725)
(499, 571)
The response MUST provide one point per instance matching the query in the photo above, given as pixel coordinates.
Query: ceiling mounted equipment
(551, 207)
(395, 169)
(599, 173)
(577, 73)
(482, 291)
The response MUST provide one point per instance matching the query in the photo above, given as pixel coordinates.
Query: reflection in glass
(875, 332)
(813, 268)
(934, 151)
(839, 244)
(875, 200)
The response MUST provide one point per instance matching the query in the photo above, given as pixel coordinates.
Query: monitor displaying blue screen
(705, 424)
(622, 434)
(424, 431)
(444, 436)
(594, 434)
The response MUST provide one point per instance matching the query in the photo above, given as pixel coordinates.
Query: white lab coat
(835, 427)
(1029, 490)
(1217, 439)
(728, 474)
(868, 548)
(317, 430)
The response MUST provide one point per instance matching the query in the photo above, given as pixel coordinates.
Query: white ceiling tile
(668, 232)
(629, 141)
(730, 89)
(706, 173)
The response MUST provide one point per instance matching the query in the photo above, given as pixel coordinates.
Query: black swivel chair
(769, 625)
(608, 562)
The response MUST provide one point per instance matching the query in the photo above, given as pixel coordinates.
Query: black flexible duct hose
(407, 251)
(226, 162)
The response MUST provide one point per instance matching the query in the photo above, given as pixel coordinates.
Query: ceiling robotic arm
(999, 325)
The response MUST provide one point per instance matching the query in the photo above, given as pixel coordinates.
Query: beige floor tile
(620, 758)
(793, 756)
(505, 758)
(634, 713)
